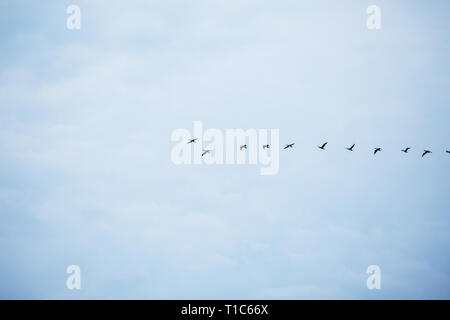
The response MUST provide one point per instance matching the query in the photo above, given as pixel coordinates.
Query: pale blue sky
(86, 178)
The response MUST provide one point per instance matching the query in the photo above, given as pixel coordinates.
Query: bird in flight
(192, 140)
(266, 146)
(205, 152)
(244, 146)
(323, 146)
(351, 148)
(406, 150)
(290, 145)
(376, 150)
(425, 152)
(448, 151)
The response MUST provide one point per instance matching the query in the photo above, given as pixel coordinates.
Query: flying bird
(376, 150)
(323, 146)
(406, 150)
(192, 140)
(291, 145)
(266, 146)
(351, 148)
(244, 146)
(425, 152)
(205, 152)
(448, 151)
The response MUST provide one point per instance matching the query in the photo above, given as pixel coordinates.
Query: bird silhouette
(425, 152)
(322, 146)
(266, 146)
(291, 145)
(448, 151)
(192, 140)
(205, 152)
(376, 150)
(406, 150)
(244, 146)
(351, 148)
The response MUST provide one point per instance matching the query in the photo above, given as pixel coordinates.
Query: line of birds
(291, 145)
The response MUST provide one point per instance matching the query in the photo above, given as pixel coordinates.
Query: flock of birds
(291, 145)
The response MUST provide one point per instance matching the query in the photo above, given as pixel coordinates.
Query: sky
(86, 176)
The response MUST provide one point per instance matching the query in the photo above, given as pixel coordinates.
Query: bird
(351, 148)
(448, 151)
(192, 140)
(291, 145)
(323, 146)
(406, 150)
(376, 150)
(266, 146)
(425, 152)
(244, 146)
(205, 152)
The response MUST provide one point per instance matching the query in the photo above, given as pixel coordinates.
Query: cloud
(85, 125)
